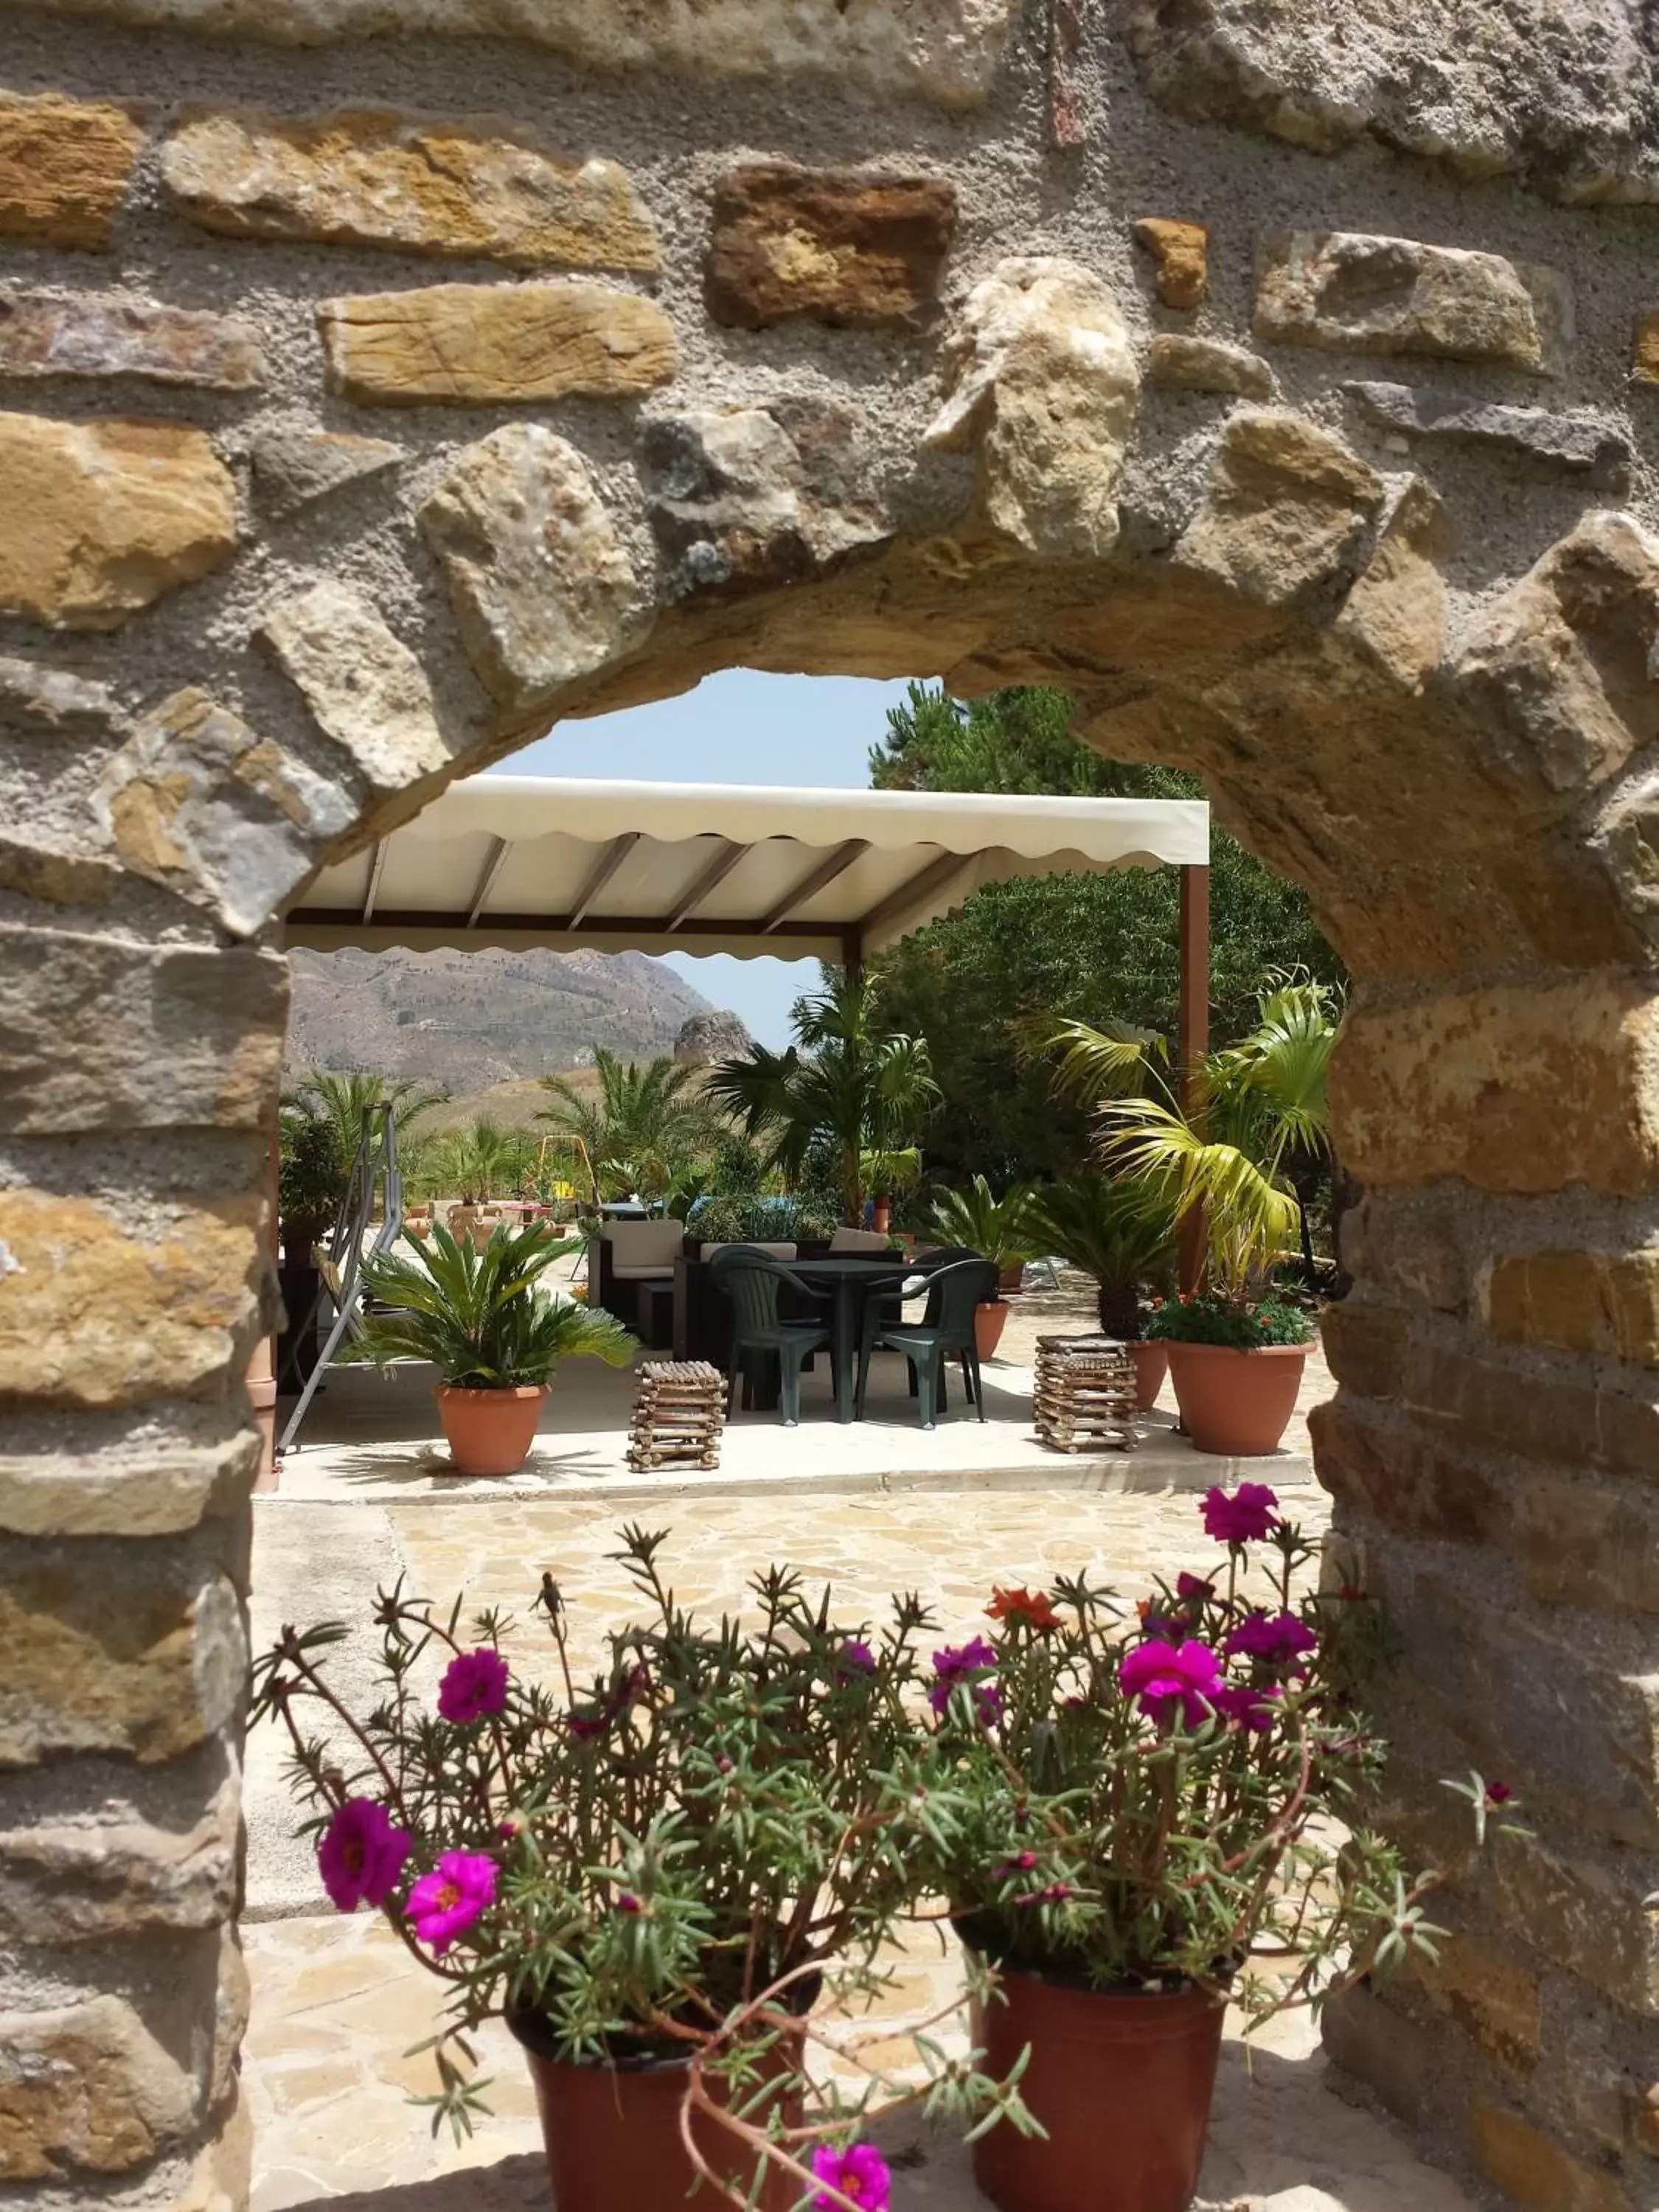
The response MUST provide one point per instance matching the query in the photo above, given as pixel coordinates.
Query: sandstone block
(1394, 1248)
(87, 2089)
(1534, 2168)
(482, 345)
(1372, 2039)
(1041, 382)
(101, 1316)
(106, 334)
(1286, 507)
(1514, 1088)
(1626, 834)
(744, 497)
(1402, 1479)
(41, 870)
(379, 179)
(1603, 1303)
(1538, 1415)
(102, 518)
(1208, 365)
(1494, 1998)
(1367, 1345)
(1580, 442)
(199, 804)
(294, 469)
(47, 705)
(364, 687)
(101, 1033)
(1585, 1911)
(99, 1880)
(64, 168)
(540, 580)
(855, 246)
(1397, 610)
(137, 1488)
(220, 2176)
(1645, 359)
(1355, 294)
(1181, 253)
(1590, 1544)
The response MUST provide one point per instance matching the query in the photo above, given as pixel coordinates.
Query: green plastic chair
(947, 1332)
(750, 1280)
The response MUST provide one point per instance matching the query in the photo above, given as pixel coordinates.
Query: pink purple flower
(474, 1686)
(859, 2173)
(444, 1904)
(1279, 1637)
(855, 1657)
(1022, 1862)
(1162, 1678)
(960, 1663)
(1193, 1587)
(1499, 1793)
(361, 1855)
(1244, 1516)
(1249, 1707)
(627, 1902)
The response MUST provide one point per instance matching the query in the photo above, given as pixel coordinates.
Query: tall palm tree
(844, 1082)
(346, 1101)
(640, 1130)
(480, 1160)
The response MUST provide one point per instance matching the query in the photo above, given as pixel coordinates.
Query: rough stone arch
(876, 341)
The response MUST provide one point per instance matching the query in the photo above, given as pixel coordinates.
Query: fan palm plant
(844, 1082)
(1001, 1229)
(1120, 1232)
(348, 1100)
(640, 1130)
(480, 1159)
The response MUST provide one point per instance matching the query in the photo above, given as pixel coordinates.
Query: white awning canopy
(512, 860)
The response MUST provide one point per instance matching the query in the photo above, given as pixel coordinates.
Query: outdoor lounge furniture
(947, 1331)
(760, 1335)
(630, 1253)
(860, 1240)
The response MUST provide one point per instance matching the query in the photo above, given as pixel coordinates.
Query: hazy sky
(736, 727)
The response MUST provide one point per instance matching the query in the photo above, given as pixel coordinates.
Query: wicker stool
(679, 1412)
(1085, 1394)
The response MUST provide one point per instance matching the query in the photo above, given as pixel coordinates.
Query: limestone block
(1626, 834)
(293, 469)
(1578, 442)
(370, 178)
(479, 345)
(1041, 382)
(220, 2176)
(1356, 293)
(1181, 253)
(1603, 1303)
(140, 1488)
(102, 1033)
(52, 705)
(1209, 365)
(946, 51)
(95, 1879)
(1559, 667)
(64, 168)
(859, 247)
(1286, 509)
(101, 1316)
(1533, 2168)
(109, 334)
(1515, 1087)
(364, 687)
(87, 2088)
(199, 804)
(103, 517)
(744, 497)
(38, 870)
(540, 580)
(1397, 610)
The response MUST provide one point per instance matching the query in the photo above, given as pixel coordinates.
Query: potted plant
(651, 1874)
(1236, 1357)
(1123, 1234)
(1000, 1230)
(494, 1332)
(1156, 1798)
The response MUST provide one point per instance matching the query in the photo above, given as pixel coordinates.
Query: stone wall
(381, 383)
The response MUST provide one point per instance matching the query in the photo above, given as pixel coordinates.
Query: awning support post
(852, 957)
(1194, 1044)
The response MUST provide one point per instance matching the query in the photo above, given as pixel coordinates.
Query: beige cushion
(772, 1251)
(641, 1275)
(860, 1240)
(644, 1251)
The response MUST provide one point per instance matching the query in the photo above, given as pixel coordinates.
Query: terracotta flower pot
(1012, 1280)
(989, 1322)
(612, 2135)
(1151, 1364)
(489, 1431)
(1237, 1402)
(1121, 2084)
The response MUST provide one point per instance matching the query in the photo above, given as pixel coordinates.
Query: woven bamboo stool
(679, 1414)
(1085, 1394)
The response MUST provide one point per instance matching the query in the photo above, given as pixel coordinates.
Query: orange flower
(1034, 1607)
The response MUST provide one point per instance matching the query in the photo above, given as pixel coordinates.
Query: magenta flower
(445, 1903)
(1022, 1862)
(1193, 1587)
(1162, 1678)
(473, 1686)
(1279, 1637)
(361, 1855)
(960, 1663)
(860, 2174)
(1245, 1515)
(855, 1657)
(627, 1902)
(1248, 1707)
(1499, 1793)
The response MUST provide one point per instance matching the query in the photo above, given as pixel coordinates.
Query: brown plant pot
(1012, 1280)
(1152, 1366)
(1237, 1402)
(989, 1322)
(1121, 2085)
(613, 2141)
(489, 1431)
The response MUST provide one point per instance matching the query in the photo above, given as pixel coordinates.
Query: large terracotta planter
(1152, 1366)
(489, 1431)
(1237, 1402)
(989, 1322)
(612, 2136)
(1121, 2086)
